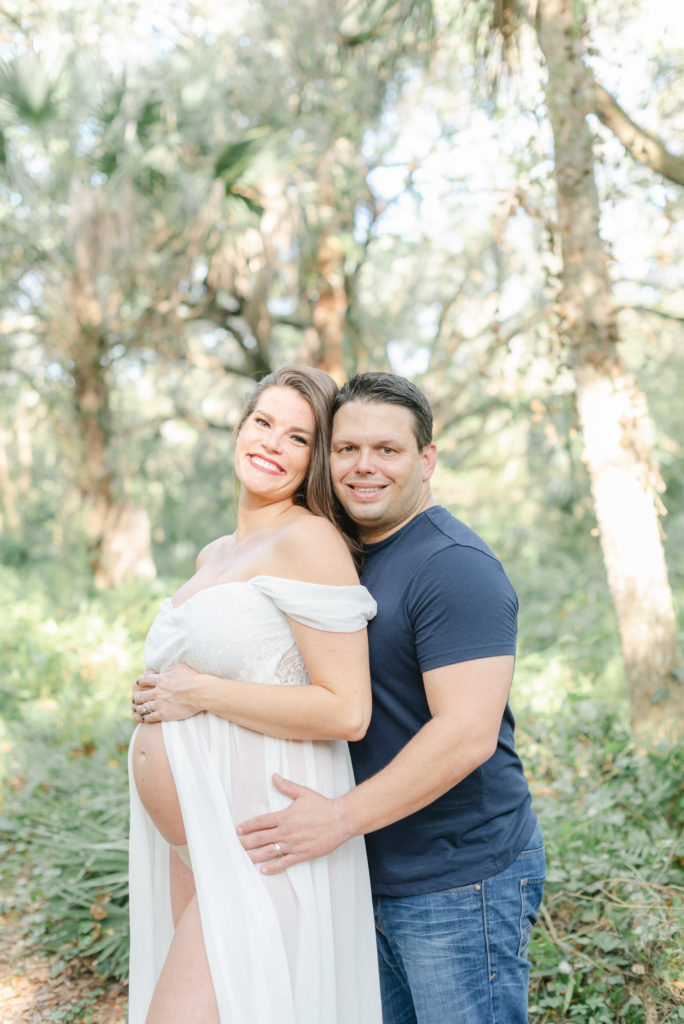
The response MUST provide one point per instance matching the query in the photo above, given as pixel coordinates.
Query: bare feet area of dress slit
(29, 994)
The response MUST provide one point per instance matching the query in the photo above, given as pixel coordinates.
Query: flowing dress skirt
(294, 948)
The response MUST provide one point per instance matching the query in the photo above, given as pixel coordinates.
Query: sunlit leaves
(29, 88)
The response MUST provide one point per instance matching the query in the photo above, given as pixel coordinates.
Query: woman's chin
(269, 490)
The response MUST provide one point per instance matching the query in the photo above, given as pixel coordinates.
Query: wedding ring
(278, 849)
(145, 710)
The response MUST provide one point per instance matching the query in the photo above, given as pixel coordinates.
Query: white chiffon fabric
(294, 948)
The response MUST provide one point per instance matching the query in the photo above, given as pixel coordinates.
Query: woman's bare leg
(182, 886)
(185, 991)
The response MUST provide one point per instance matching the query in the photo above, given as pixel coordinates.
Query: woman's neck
(254, 516)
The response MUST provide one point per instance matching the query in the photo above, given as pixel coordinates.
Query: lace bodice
(240, 629)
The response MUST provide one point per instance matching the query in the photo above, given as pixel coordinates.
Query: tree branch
(655, 312)
(639, 143)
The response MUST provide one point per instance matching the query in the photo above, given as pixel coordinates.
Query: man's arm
(466, 701)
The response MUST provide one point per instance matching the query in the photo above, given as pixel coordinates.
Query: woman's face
(273, 448)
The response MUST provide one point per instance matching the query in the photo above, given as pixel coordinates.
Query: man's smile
(366, 490)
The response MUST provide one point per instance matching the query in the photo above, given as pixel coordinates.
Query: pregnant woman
(269, 635)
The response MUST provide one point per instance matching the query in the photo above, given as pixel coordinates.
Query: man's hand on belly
(311, 826)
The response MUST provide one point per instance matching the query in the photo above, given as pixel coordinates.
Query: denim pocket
(531, 892)
(457, 890)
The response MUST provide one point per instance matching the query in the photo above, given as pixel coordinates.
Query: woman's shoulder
(215, 548)
(311, 548)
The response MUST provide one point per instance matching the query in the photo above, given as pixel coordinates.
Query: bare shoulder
(311, 548)
(213, 549)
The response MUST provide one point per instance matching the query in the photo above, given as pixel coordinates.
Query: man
(455, 853)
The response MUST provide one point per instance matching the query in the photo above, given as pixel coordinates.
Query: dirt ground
(29, 995)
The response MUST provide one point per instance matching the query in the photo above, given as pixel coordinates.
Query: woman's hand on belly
(165, 696)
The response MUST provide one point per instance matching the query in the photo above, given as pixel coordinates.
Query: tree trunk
(9, 515)
(123, 551)
(330, 308)
(91, 408)
(119, 531)
(331, 221)
(119, 534)
(613, 413)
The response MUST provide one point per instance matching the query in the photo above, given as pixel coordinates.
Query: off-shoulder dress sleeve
(332, 609)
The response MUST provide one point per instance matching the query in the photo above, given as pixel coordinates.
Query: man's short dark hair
(378, 387)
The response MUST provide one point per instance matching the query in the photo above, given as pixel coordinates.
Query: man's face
(378, 472)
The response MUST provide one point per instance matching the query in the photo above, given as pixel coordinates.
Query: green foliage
(609, 945)
(68, 657)
(63, 840)
(82, 1011)
(27, 87)
(68, 661)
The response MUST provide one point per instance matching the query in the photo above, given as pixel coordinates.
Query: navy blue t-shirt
(443, 597)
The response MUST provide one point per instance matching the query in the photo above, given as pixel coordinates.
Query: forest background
(486, 198)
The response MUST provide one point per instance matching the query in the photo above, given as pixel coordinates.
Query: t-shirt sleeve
(328, 608)
(462, 606)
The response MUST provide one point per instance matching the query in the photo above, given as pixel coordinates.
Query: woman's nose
(273, 440)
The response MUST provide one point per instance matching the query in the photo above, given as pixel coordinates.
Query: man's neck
(371, 536)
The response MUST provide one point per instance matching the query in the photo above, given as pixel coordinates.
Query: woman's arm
(337, 703)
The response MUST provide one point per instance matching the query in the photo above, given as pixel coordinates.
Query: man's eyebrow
(383, 443)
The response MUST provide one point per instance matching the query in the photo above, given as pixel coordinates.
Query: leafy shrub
(68, 658)
(64, 850)
(609, 945)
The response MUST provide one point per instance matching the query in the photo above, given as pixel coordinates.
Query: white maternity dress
(297, 947)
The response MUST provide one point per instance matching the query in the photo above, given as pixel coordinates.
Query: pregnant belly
(155, 783)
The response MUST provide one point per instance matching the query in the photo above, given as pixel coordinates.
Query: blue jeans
(460, 956)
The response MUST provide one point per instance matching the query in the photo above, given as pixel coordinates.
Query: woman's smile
(266, 464)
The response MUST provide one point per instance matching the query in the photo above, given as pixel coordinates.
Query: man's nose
(364, 461)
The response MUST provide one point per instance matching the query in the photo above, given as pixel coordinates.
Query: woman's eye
(261, 421)
(299, 440)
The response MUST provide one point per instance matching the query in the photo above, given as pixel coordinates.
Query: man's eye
(387, 451)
